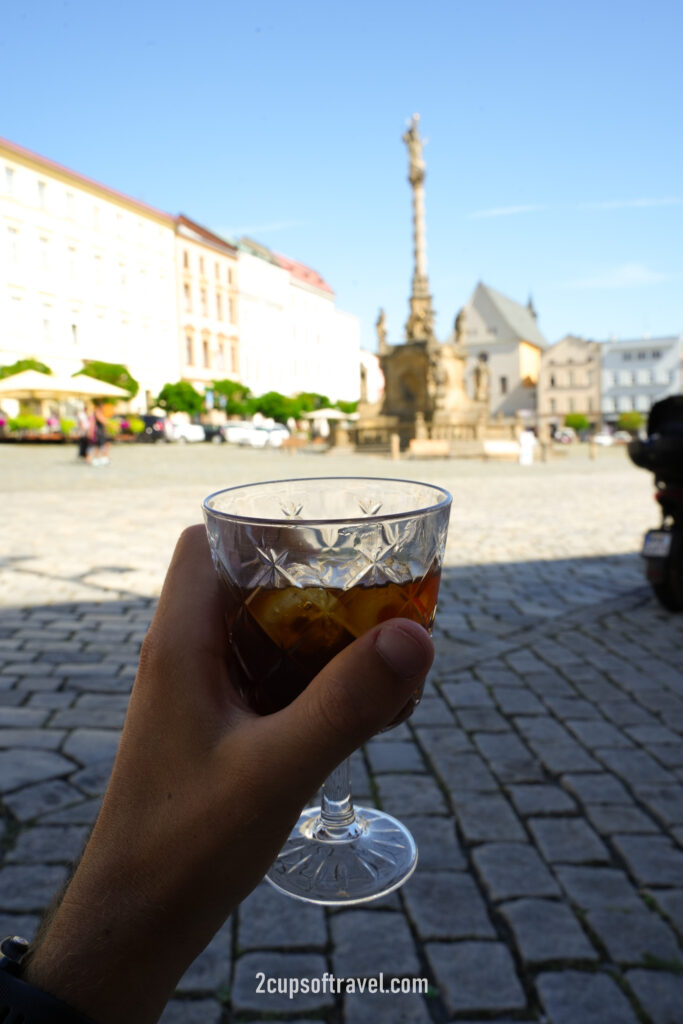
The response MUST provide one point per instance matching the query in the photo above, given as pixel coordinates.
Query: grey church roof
(520, 320)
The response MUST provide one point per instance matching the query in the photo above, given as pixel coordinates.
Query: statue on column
(412, 139)
(460, 328)
(381, 328)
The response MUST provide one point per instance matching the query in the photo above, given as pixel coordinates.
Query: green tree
(577, 421)
(236, 395)
(21, 365)
(180, 397)
(312, 400)
(631, 421)
(111, 373)
(276, 406)
(347, 407)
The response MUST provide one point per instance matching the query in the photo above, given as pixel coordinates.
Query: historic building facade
(635, 374)
(85, 273)
(504, 336)
(569, 382)
(206, 268)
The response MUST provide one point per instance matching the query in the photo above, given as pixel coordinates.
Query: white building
(507, 335)
(292, 337)
(636, 374)
(86, 273)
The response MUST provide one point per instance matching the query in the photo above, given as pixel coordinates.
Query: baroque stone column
(420, 324)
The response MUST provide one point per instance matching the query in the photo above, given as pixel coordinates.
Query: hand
(203, 794)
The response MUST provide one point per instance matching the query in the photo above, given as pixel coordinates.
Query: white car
(604, 439)
(255, 435)
(186, 432)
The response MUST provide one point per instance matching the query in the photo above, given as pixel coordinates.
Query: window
(9, 181)
(221, 354)
(219, 306)
(656, 354)
(201, 265)
(47, 322)
(233, 358)
(590, 404)
(204, 302)
(231, 310)
(642, 355)
(12, 245)
(74, 333)
(217, 269)
(230, 275)
(42, 189)
(206, 362)
(189, 350)
(552, 380)
(553, 404)
(627, 356)
(503, 385)
(44, 247)
(571, 381)
(187, 298)
(571, 405)
(186, 259)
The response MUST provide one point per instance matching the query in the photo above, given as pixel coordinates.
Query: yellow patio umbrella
(32, 384)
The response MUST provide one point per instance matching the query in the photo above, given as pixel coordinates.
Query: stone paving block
(509, 870)
(211, 969)
(627, 713)
(466, 695)
(257, 969)
(597, 788)
(28, 668)
(670, 902)
(192, 1011)
(548, 684)
(670, 755)
(21, 767)
(54, 700)
(508, 757)
(394, 757)
(37, 799)
(564, 756)
(635, 767)
(652, 734)
(82, 813)
(462, 773)
(22, 718)
(659, 993)
(598, 734)
(104, 718)
(29, 888)
(99, 684)
(486, 816)
(88, 746)
(631, 935)
(269, 920)
(437, 844)
(93, 779)
(43, 845)
(664, 802)
(367, 942)
(609, 819)
(568, 841)
(481, 720)
(546, 930)
(541, 799)
(447, 905)
(432, 711)
(43, 739)
(410, 794)
(476, 977)
(514, 700)
(383, 1008)
(572, 707)
(570, 997)
(590, 887)
(653, 860)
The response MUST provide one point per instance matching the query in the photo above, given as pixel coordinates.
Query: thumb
(362, 690)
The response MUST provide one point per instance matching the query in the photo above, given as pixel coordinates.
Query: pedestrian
(84, 420)
(101, 458)
(202, 795)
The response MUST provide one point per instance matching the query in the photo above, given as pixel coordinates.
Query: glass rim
(444, 502)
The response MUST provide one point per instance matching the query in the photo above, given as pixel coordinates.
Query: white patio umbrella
(31, 384)
(330, 414)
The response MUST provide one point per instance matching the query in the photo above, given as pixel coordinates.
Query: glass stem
(337, 816)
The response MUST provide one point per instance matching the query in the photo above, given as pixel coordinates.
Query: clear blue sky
(554, 158)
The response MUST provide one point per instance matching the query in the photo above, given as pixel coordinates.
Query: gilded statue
(381, 328)
(414, 142)
(481, 379)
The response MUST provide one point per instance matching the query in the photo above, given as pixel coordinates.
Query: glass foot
(368, 859)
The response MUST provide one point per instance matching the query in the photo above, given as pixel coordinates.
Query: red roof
(60, 169)
(303, 273)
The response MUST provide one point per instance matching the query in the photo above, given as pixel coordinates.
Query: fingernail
(405, 652)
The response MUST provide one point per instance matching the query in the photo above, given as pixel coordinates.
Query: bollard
(395, 446)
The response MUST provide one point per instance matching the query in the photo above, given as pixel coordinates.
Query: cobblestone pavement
(541, 774)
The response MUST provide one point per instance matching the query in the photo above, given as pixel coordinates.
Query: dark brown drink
(281, 638)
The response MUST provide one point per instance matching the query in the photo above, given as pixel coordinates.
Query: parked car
(564, 435)
(603, 439)
(156, 428)
(622, 437)
(254, 435)
(186, 432)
